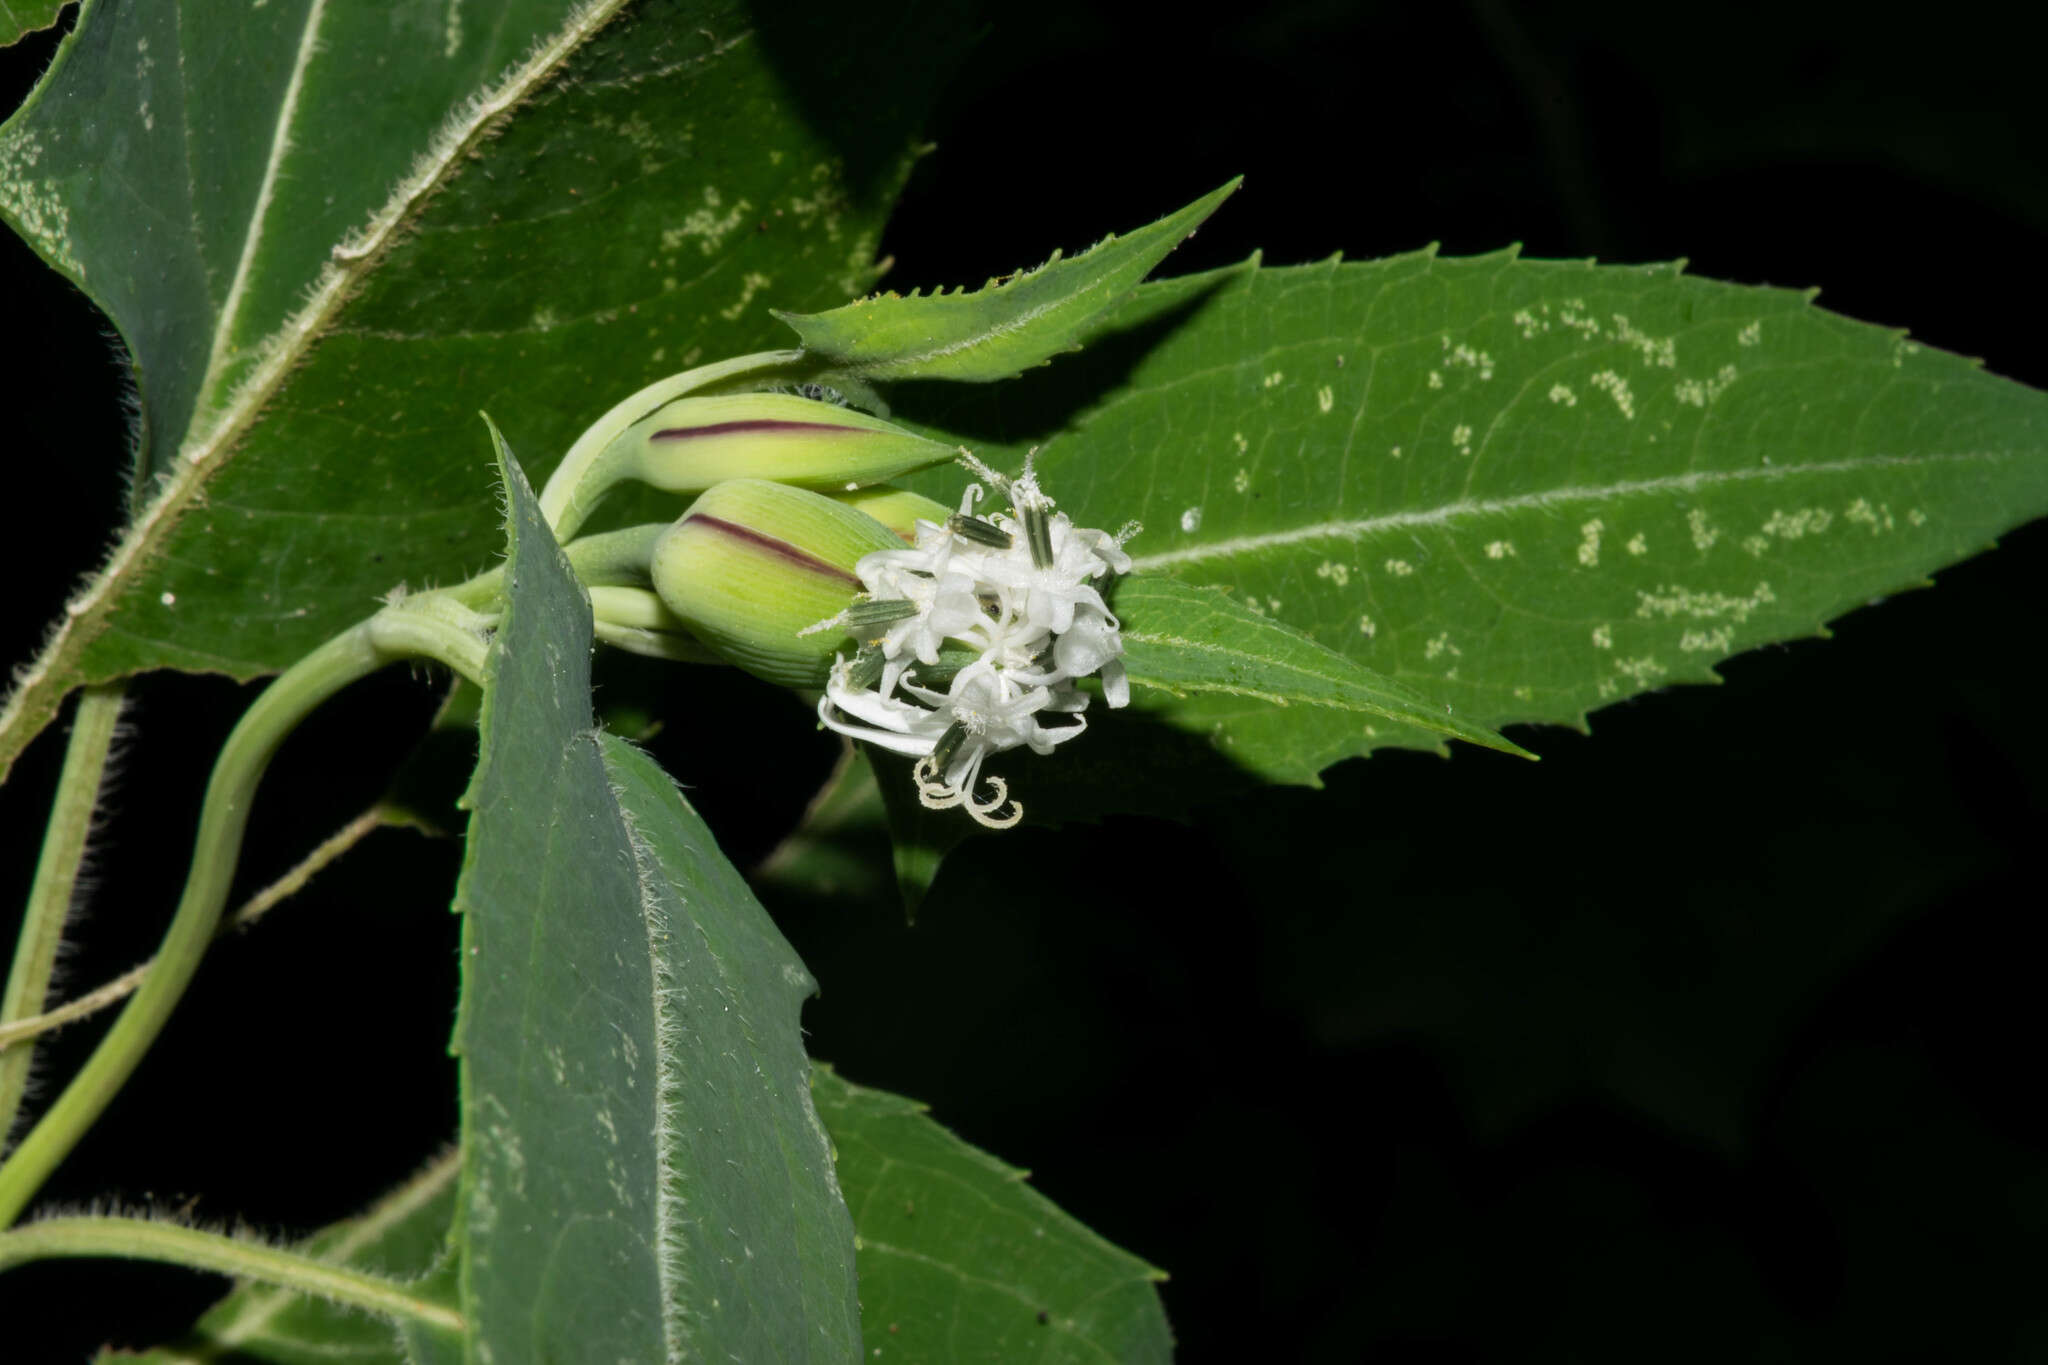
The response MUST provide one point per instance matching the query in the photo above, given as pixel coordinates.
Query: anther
(979, 531)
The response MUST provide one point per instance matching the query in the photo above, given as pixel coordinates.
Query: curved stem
(415, 627)
(585, 474)
(19, 1031)
(49, 898)
(145, 1239)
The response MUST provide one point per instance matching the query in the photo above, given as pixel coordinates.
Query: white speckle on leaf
(1603, 637)
(1531, 325)
(1272, 381)
(39, 210)
(1191, 520)
(1242, 444)
(1878, 519)
(1659, 351)
(1340, 574)
(1798, 524)
(750, 284)
(1394, 453)
(1440, 646)
(1617, 389)
(169, 599)
(1436, 379)
(1461, 437)
(1326, 398)
(1642, 672)
(1273, 604)
(1698, 393)
(1916, 516)
(1720, 640)
(1572, 313)
(1367, 628)
(1750, 335)
(1562, 393)
(1400, 568)
(1638, 544)
(1499, 549)
(1670, 601)
(1242, 481)
(1465, 356)
(1703, 533)
(1589, 543)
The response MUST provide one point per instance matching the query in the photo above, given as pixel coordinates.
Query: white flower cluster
(1007, 606)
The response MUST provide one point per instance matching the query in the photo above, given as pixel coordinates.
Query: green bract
(753, 563)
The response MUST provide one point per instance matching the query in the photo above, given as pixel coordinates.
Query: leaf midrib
(1446, 514)
(216, 431)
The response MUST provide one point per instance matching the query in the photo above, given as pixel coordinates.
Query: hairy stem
(145, 1239)
(16, 1032)
(50, 897)
(425, 626)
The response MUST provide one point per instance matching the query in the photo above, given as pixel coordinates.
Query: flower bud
(899, 509)
(692, 443)
(753, 563)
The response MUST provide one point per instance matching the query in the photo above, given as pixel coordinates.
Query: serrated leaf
(546, 205)
(644, 1177)
(961, 1260)
(1186, 641)
(1000, 330)
(1524, 489)
(403, 1236)
(19, 18)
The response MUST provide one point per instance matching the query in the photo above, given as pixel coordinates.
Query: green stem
(424, 626)
(589, 470)
(49, 898)
(143, 1239)
(609, 559)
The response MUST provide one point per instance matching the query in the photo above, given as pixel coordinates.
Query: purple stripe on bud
(781, 549)
(759, 426)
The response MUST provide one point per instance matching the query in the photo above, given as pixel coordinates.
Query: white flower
(1018, 592)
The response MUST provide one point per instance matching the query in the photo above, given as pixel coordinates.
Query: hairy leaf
(544, 205)
(403, 1236)
(960, 1259)
(644, 1176)
(1002, 329)
(1524, 489)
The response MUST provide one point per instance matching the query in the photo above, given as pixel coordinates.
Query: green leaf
(19, 18)
(644, 1177)
(402, 1236)
(546, 205)
(961, 1260)
(1185, 641)
(1523, 489)
(1002, 329)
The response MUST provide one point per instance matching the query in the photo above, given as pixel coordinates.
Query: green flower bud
(753, 563)
(899, 509)
(692, 443)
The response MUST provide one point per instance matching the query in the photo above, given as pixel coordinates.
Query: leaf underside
(644, 1176)
(544, 206)
(1524, 489)
(960, 1259)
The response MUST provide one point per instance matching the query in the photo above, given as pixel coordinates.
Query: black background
(1715, 1035)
